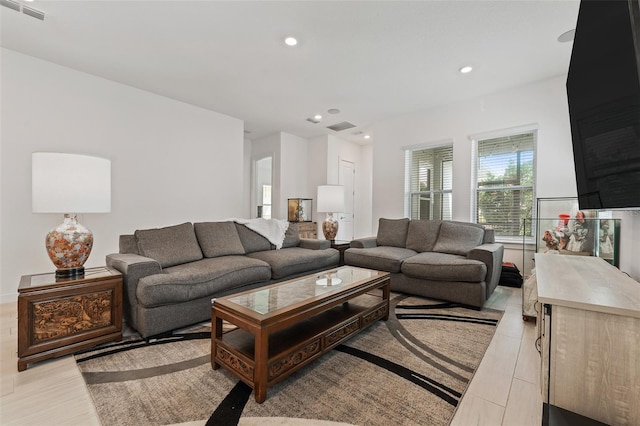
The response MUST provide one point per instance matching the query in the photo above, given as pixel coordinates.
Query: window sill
(529, 242)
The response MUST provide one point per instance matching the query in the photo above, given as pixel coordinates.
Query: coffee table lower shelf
(297, 345)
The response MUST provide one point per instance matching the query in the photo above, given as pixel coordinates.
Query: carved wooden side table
(60, 316)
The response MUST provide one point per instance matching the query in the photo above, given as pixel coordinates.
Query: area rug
(411, 369)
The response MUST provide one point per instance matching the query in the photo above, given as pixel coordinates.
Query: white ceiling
(372, 60)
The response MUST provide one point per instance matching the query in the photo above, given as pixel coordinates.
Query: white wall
(358, 155)
(629, 242)
(324, 155)
(267, 147)
(364, 203)
(246, 182)
(293, 178)
(289, 154)
(171, 162)
(542, 103)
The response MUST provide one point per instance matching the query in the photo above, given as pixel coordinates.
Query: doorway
(261, 199)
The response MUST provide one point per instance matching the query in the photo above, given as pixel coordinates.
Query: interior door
(346, 177)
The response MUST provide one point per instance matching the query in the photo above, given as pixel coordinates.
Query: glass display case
(299, 209)
(561, 226)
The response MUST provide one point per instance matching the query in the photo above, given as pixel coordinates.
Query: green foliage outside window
(505, 168)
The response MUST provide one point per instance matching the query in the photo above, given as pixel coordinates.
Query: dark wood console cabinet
(60, 316)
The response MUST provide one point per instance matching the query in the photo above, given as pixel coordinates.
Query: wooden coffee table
(285, 326)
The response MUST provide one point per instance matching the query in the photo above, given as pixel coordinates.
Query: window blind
(429, 183)
(504, 170)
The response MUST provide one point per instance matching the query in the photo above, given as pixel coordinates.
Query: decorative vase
(330, 227)
(68, 246)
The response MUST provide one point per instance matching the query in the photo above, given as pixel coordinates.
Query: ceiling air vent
(33, 12)
(11, 4)
(341, 126)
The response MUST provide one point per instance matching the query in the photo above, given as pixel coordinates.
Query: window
(428, 183)
(504, 182)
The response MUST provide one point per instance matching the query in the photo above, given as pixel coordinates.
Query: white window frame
(408, 192)
(475, 140)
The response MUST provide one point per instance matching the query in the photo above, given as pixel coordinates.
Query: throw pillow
(458, 238)
(392, 232)
(169, 246)
(423, 234)
(251, 240)
(292, 236)
(218, 238)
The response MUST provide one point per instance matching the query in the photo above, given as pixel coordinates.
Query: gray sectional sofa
(447, 260)
(171, 274)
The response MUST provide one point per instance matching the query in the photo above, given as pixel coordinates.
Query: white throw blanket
(272, 229)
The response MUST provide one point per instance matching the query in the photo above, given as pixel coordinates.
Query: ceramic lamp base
(68, 246)
(330, 227)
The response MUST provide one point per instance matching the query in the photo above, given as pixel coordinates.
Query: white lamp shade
(330, 198)
(70, 183)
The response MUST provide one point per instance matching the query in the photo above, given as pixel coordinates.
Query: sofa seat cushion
(295, 260)
(383, 258)
(198, 279)
(169, 246)
(444, 267)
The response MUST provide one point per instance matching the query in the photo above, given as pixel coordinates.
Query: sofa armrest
(368, 242)
(133, 267)
(491, 255)
(312, 244)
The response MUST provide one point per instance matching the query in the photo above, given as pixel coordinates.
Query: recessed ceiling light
(333, 111)
(466, 70)
(290, 41)
(317, 117)
(367, 137)
(567, 36)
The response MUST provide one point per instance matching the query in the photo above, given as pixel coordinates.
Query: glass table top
(272, 298)
(49, 278)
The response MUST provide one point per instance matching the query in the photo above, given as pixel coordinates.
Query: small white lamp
(330, 200)
(69, 184)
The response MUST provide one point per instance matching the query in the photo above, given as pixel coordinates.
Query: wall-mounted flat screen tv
(603, 90)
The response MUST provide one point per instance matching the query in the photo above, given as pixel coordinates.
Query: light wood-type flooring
(504, 390)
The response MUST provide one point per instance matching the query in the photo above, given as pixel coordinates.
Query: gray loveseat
(447, 260)
(171, 274)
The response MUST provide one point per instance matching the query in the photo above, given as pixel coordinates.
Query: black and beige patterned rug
(411, 369)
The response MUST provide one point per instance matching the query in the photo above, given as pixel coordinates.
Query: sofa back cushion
(251, 240)
(489, 236)
(423, 234)
(169, 246)
(292, 236)
(128, 244)
(458, 237)
(218, 238)
(392, 232)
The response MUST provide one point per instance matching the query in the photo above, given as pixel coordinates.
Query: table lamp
(69, 184)
(330, 200)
